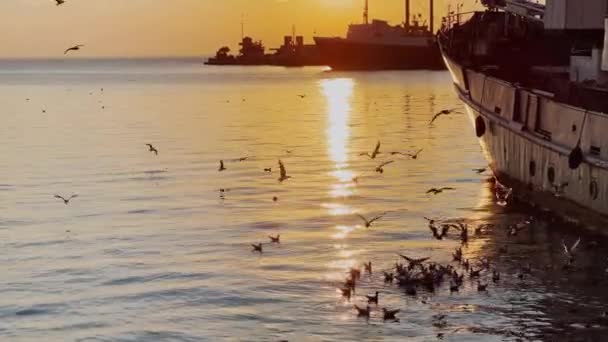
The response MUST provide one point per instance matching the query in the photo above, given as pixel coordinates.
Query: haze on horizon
(146, 28)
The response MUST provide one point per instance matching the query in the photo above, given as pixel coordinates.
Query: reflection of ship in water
(378, 45)
(534, 79)
(293, 52)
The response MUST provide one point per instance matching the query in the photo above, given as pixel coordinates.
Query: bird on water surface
(389, 314)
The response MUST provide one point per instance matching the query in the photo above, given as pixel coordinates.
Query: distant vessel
(378, 45)
(292, 53)
(534, 80)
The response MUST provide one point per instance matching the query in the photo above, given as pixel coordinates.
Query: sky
(156, 28)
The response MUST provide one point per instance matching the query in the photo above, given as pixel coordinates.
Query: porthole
(593, 189)
(532, 168)
(551, 174)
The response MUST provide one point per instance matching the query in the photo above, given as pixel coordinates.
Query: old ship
(378, 45)
(534, 80)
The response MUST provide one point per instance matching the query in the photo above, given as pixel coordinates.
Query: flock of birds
(412, 274)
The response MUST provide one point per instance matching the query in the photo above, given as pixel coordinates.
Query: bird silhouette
(222, 167)
(275, 239)
(389, 314)
(362, 312)
(368, 223)
(284, 175)
(257, 248)
(368, 267)
(73, 48)
(407, 154)
(380, 168)
(152, 149)
(375, 153)
(412, 261)
(482, 287)
(66, 201)
(480, 170)
(59, 2)
(442, 113)
(346, 292)
(444, 231)
(301, 96)
(373, 299)
(570, 251)
(268, 169)
(436, 191)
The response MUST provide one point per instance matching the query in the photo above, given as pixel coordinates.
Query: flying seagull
(66, 201)
(441, 113)
(368, 223)
(389, 314)
(444, 231)
(59, 2)
(570, 251)
(257, 248)
(221, 168)
(411, 155)
(436, 191)
(152, 149)
(380, 168)
(284, 175)
(302, 96)
(480, 170)
(73, 48)
(374, 154)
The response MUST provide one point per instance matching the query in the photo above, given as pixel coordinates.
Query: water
(151, 250)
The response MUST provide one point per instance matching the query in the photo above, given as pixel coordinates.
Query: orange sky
(38, 28)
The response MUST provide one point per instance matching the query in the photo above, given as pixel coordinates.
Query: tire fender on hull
(480, 127)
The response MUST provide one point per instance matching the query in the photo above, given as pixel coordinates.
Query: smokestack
(431, 19)
(366, 13)
(407, 13)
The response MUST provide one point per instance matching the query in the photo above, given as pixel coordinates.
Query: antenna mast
(366, 13)
(242, 26)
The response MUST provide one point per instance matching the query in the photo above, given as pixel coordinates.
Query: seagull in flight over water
(441, 113)
(380, 168)
(436, 191)
(284, 175)
(152, 149)
(374, 154)
(221, 168)
(73, 48)
(66, 201)
(59, 2)
(368, 223)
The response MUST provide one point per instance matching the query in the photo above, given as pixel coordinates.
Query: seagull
(374, 154)
(373, 299)
(66, 201)
(284, 175)
(222, 168)
(368, 223)
(152, 149)
(73, 48)
(275, 198)
(269, 169)
(482, 287)
(457, 255)
(436, 191)
(411, 155)
(257, 248)
(389, 277)
(368, 267)
(59, 2)
(346, 292)
(413, 262)
(444, 231)
(301, 96)
(363, 312)
(454, 287)
(380, 168)
(480, 170)
(495, 276)
(443, 112)
(242, 159)
(570, 252)
(389, 314)
(275, 239)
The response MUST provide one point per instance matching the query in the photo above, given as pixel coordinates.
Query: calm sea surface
(152, 250)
